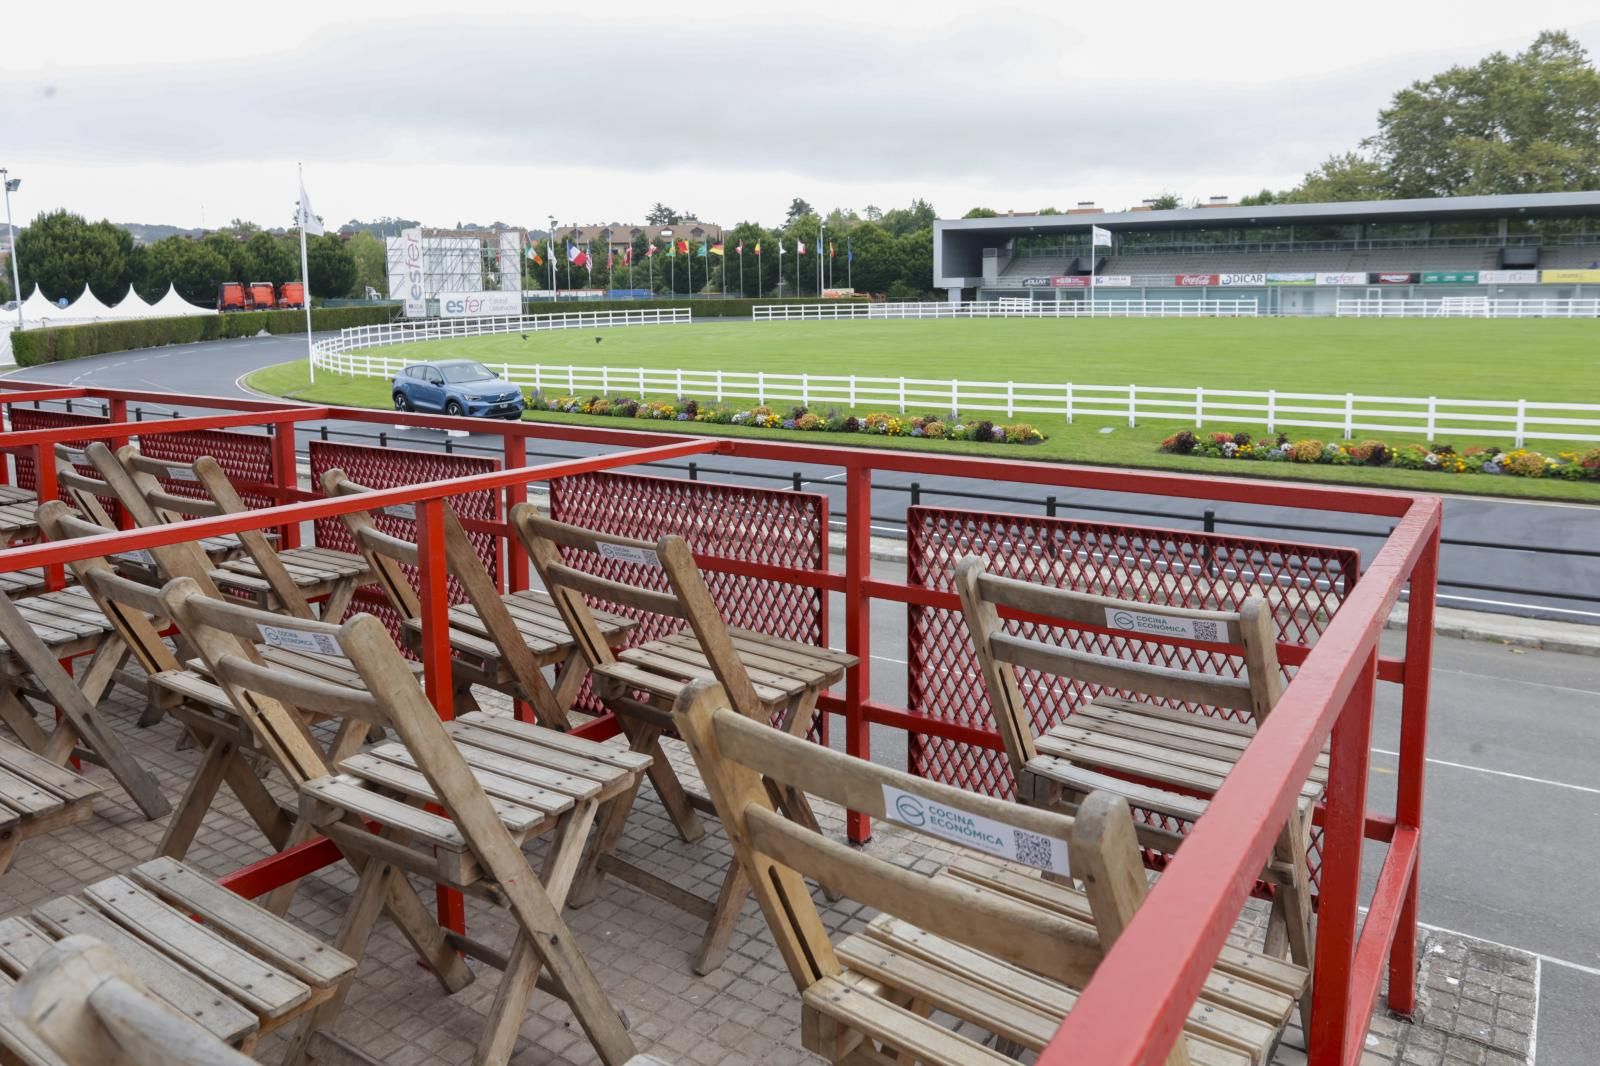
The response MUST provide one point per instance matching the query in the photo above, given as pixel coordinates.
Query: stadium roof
(1535, 204)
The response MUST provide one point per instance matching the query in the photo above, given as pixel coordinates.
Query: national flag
(780, 248)
(683, 247)
(849, 256)
(830, 249)
(672, 250)
(758, 249)
(611, 258)
(700, 253)
(799, 247)
(649, 250)
(740, 250)
(533, 253)
(576, 256)
(716, 249)
(627, 256)
(308, 220)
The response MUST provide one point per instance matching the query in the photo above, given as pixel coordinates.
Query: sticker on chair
(299, 640)
(975, 830)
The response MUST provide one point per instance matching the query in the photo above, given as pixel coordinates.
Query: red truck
(292, 294)
(261, 297)
(231, 297)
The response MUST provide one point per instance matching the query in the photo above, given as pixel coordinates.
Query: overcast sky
(197, 113)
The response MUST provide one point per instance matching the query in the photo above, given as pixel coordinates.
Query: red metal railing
(1133, 1010)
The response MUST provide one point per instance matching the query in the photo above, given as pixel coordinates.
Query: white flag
(780, 247)
(1097, 235)
(308, 220)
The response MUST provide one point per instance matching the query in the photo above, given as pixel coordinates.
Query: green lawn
(1460, 359)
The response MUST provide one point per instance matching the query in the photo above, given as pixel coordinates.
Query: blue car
(456, 387)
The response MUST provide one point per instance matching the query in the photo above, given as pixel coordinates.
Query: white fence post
(902, 395)
(955, 394)
(1349, 415)
(1433, 405)
(680, 381)
(719, 384)
(1199, 406)
(1133, 405)
(852, 390)
(641, 383)
(605, 380)
(1272, 410)
(761, 388)
(805, 389)
(1522, 421)
(1011, 406)
(1069, 403)
(572, 372)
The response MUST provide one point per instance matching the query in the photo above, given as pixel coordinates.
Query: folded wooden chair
(124, 973)
(770, 679)
(987, 954)
(502, 642)
(1162, 758)
(286, 580)
(494, 782)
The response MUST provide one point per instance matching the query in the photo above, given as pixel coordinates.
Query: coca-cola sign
(1195, 279)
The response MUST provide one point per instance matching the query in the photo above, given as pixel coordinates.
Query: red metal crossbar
(1133, 1009)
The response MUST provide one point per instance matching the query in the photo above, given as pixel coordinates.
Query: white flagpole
(305, 276)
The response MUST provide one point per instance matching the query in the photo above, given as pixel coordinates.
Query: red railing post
(432, 572)
(117, 411)
(286, 477)
(1413, 762)
(858, 627)
(515, 561)
(1339, 904)
(44, 465)
(5, 457)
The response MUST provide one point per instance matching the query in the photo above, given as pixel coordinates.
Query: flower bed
(1518, 462)
(930, 427)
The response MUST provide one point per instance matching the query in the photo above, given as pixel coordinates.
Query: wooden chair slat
(523, 811)
(508, 778)
(349, 794)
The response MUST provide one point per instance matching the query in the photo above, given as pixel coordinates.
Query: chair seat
(309, 567)
(1246, 1000)
(28, 582)
(538, 623)
(1188, 754)
(238, 972)
(1242, 1009)
(67, 620)
(531, 775)
(36, 794)
(779, 669)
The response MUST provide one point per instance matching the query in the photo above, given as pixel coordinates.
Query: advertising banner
(1450, 277)
(840, 294)
(1508, 277)
(1291, 279)
(1346, 278)
(404, 255)
(1113, 281)
(1241, 279)
(1570, 276)
(1185, 280)
(1036, 283)
(1069, 281)
(508, 256)
(1391, 277)
(479, 304)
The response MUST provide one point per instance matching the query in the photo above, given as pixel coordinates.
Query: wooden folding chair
(286, 580)
(494, 782)
(502, 642)
(999, 956)
(134, 978)
(16, 515)
(770, 679)
(1162, 758)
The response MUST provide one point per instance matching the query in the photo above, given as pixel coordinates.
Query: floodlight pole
(11, 229)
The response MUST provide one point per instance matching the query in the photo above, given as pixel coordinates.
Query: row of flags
(580, 258)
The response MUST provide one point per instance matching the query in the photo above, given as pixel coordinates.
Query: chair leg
(719, 930)
(196, 801)
(613, 816)
(510, 1006)
(1289, 927)
(338, 601)
(14, 712)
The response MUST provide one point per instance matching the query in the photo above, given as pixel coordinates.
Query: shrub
(1523, 463)
(1180, 443)
(1306, 451)
(36, 346)
(809, 421)
(933, 428)
(1022, 433)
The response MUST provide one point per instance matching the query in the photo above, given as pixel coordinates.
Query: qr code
(1032, 849)
(1206, 631)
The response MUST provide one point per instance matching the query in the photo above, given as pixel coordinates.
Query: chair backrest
(1000, 653)
(144, 473)
(689, 598)
(388, 555)
(225, 633)
(735, 755)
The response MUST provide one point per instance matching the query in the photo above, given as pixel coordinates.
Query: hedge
(35, 346)
(731, 308)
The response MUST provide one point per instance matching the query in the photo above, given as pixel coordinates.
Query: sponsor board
(1241, 279)
(627, 553)
(975, 831)
(299, 640)
(1450, 277)
(1036, 283)
(1508, 277)
(1291, 279)
(1570, 276)
(1160, 625)
(843, 294)
(1069, 281)
(404, 254)
(1342, 278)
(479, 304)
(1184, 280)
(1391, 277)
(1113, 281)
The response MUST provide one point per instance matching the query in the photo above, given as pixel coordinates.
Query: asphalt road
(1524, 582)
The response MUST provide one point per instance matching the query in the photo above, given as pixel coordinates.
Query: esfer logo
(911, 812)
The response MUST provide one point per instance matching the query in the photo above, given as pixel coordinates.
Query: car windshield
(461, 373)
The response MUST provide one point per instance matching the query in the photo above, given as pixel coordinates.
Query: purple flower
(788, 423)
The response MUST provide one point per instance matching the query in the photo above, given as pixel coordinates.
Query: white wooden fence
(1345, 415)
(1467, 307)
(1103, 307)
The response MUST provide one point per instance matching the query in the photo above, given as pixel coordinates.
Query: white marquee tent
(38, 312)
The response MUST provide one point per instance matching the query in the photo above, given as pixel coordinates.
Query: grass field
(1452, 358)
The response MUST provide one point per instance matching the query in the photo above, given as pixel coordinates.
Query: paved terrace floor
(1479, 1003)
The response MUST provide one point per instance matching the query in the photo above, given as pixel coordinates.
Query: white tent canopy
(38, 311)
(86, 308)
(174, 306)
(130, 306)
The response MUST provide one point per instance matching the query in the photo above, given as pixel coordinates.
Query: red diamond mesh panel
(27, 418)
(1304, 585)
(389, 468)
(245, 457)
(787, 529)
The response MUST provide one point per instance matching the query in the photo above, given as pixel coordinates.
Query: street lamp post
(16, 278)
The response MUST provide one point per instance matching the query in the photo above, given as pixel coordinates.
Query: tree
(798, 208)
(61, 253)
(1508, 124)
(1350, 176)
(332, 267)
(1167, 201)
(372, 265)
(269, 258)
(194, 268)
(5, 282)
(982, 212)
(902, 221)
(878, 259)
(873, 212)
(662, 215)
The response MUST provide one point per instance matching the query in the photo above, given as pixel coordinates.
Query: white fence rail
(1345, 415)
(1467, 307)
(1012, 308)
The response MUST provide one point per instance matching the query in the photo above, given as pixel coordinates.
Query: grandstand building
(1294, 259)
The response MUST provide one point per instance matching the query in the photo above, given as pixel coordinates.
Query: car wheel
(454, 409)
(402, 402)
